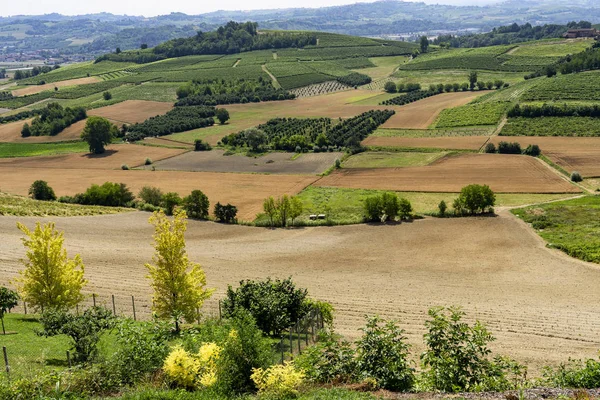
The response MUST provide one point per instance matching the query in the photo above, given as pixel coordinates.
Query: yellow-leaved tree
(50, 279)
(179, 284)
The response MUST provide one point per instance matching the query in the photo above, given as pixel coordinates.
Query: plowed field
(503, 173)
(539, 303)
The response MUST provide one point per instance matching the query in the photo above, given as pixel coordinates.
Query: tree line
(552, 110)
(52, 120)
(35, 71)
(354, 79)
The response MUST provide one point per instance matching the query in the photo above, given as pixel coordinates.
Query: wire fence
(27, 354)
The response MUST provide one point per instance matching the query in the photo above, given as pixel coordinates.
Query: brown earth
(580, 154)
(33, 89)
(445, 143)
(115, 156)
(539, 303)
(246, 191)
(422, 113)
(132, 111)
(503, 173)
(274, 163)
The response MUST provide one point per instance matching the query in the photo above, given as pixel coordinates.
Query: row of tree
(283, 210)
(52, 120)
(35, 71)
(354, 79)
(552, 110)
(513, 148)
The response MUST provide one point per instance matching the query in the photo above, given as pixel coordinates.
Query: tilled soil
(541, 305)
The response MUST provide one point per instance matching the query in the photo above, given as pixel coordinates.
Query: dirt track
(503, 173)
(541, 304)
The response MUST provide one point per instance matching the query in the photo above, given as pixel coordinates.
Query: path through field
(541, 304)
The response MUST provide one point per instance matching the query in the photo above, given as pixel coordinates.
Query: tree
(39, 190)
(472, 79)
(270, 209)
(474, 199)
(372, 207)
(490, 148)
(8, 300)
(404, 209)
(179, 285)
(50, 279)
(296, 208)
(196, 205)
(283, 209)
(389, 206)
(225, 213)
(169, 201)
(26, 131)
(107, 96)
(255, 138)
(144, 46)
(118, 50)
(390, 87)
(98, 132)
(424, 44)
(442, 207)
(150, 195)
(222, 115)
(199, 145)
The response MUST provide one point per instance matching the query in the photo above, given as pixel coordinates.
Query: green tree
(472, 79)
(424, 44)
(270, 209)
(8, 300)
(255, 138)
(179, 285)
(474, 199)
(150, 195)
(107, 96)
(143, 46)
(442, 207)
(169, 201)
(222, 115)
(196, 205)
(404, 209)
(296, 208)
(372, 208)
(389, 206)
(50, 279)
(390, 87)
(40, 190)
(98, 132)
(26, 130)
(282, 205)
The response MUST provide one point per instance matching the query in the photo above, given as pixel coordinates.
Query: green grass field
(382, 159)
(426, 78)
(449, 132)
(41, 149)
(552, 126)
(581, 86)
(25, 207)
(572, 226)
(472, 114)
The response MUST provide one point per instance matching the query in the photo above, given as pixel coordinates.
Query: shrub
(456, 358)
(490, 148)
(474, 199)
(169, 201)
(442, 207)
(576, 177)
(338, 163)
(405, 209)
(509, 148)
(390, 87)
(382, 354)
(40, 190)
(8, 300)
(196, 205)
(199, 145)
(386, 207)
(181, 368)
(109, 194)
(532, 150)
(274, 304)
(148, 161)
(278, 381)
(328, 361)
(574, 374)
(151, 195)
(125, 167)
(222, 115)
(226, 213)
(107, 96)
(372, 208)
(84, 330)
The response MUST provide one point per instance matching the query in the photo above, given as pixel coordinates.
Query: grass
(472, 114)
(312, 394)
(424, 133)
(426, 78)
(581, 86)
(552, 126)
(345, 206)
(26, 207)
(41, 149)
(572, 226)
(391, 159)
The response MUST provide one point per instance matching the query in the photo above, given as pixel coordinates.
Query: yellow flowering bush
(278, 381)
(193, 371)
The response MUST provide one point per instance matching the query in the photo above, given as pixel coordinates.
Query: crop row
(179, 119)
(472, 115)
(409, 97)
(319, 89)
(582, 86)
(552, 126)
(293, 82)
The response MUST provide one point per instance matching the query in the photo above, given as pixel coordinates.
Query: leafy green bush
(278, 381)
(574, 374)
(457, 356)
(274, 304)
(328, 361)
(84, 330)
(382, 354)
(474, 199)
(40, 190)
(226, 213)
(386, 207)
(150, 195)
(108, 194)
(442, 207)
(509, 148)
(390, 87)
(199, 145)
(169, 201)
(490, 148)
(532, 150)
(576, 177)
(196, 205)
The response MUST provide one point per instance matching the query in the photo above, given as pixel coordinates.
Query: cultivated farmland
(33, 89)
(132, 111)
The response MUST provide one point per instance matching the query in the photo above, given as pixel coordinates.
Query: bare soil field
(444, 143)
(503, 173)
(246, 191)
(538, 302)
(274, 163)
(132, 111)
(115, 156)
(422, 113)
(33, 89)
(580, 154)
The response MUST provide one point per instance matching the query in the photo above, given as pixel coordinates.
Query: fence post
(25, 305)
(133, 305)
(6, 361)
(298, 334)
(94, 299)
(219, 310)
(291, 343)
(113, 302)
(281, 348)
(69, 358)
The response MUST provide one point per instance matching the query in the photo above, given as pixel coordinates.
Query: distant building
(582, 33)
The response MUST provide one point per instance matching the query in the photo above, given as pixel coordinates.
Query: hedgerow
(179, 119)
(410, 97)
(52, 120)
